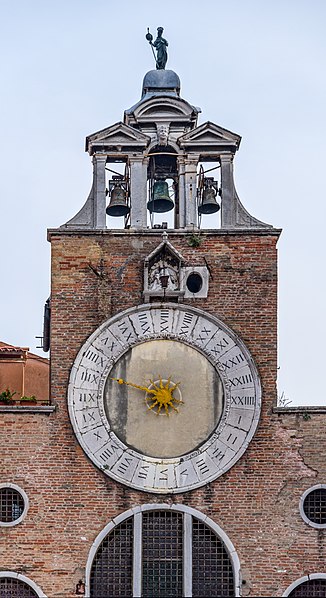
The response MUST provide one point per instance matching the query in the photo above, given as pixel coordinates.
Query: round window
(194, 282)
(313, 506)
(13, 504)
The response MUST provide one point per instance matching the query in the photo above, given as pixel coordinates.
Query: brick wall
(255, 503)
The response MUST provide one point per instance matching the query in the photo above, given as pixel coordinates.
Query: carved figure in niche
(164, 266)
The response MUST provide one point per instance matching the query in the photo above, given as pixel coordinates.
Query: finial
(160, 45)
(165, 236)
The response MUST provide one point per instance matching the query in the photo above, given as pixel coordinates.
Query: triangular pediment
(118, 135)
(209, 134)
(167, 247)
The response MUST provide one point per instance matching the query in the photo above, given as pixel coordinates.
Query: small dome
(161, 80)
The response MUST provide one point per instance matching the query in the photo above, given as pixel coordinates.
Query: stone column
(182, 192)
(191, 191)
(99, 216)
(228, 203)
(138, 192)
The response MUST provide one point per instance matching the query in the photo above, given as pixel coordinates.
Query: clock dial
(165, 429)
(164, 398)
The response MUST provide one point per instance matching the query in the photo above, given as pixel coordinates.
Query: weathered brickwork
(94, 276)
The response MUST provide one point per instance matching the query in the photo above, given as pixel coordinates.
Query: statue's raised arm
(160, 45)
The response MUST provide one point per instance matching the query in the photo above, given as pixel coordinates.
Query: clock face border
(198, 329)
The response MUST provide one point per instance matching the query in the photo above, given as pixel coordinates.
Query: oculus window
(13, 504)
(313, 506)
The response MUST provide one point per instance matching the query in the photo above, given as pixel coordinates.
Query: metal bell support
(209, 204)
(161, 201)
(118, 200)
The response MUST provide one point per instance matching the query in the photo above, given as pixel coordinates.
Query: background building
(23, 373)
(163, 465)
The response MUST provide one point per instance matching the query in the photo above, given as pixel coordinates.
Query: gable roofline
(119, 127)
(222, 135)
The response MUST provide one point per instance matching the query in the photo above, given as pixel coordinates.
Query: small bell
(209, 204)
(118, 201)
(161, 201)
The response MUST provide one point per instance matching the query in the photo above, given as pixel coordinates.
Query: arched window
(309, 586)
(14, 584)
(161, 551)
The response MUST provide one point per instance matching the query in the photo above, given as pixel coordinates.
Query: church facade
(162, 465)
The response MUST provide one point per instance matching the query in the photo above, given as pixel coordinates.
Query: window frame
(188, 513)
(301, 506)
(26, 504)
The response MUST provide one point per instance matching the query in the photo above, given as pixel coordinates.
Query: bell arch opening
(163, 187)
(162, 550)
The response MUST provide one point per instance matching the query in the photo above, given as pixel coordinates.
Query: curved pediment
(168, 109)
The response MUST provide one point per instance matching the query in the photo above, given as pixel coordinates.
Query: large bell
(209, 204)
(118, 202)
(161, 201)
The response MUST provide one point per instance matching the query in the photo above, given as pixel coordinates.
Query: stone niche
(163, 273)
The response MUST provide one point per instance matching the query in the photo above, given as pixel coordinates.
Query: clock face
(164, 398)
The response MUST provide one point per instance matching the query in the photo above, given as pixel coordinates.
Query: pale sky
(256, 67)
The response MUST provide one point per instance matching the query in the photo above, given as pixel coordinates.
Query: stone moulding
(45, 409)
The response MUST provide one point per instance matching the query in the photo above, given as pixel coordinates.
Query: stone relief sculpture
(163, 266)
(162, 134)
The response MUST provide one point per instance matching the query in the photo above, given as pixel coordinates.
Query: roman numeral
(87, 376)
(111, 344)
(219, 346)
(248, 400)
(202, 466)
(124, 465)
(123, 327)
(231, 436)
(217, 454)
(95, 358)
(233, 361)
(143, 472)
(203, 334)
(90, 415)
(85, 397)
(164, 321)
(163, 475)
(144, 324)
(239, 381)
(108, 452)
(188, 318)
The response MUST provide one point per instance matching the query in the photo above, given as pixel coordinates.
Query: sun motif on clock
(159, 395)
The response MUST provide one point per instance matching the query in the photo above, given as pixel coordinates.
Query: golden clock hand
(145, 388)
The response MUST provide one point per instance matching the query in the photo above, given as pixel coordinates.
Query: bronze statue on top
(160, 45)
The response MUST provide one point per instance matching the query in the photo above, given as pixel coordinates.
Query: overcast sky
(256, 67)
